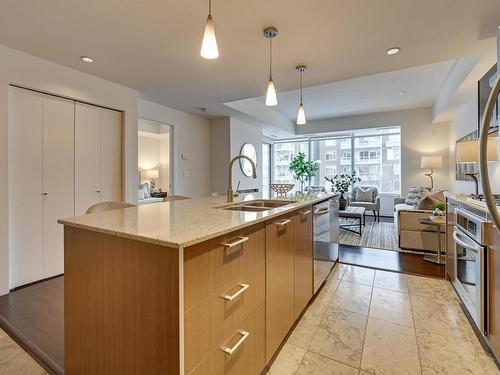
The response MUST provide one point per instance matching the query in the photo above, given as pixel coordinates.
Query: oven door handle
(465, 244)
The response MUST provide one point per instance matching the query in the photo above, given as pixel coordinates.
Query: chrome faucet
(230, 193)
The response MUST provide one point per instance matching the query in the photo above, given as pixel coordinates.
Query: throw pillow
(414, 196)
(140, 194)
(364, 195)
(145, 188)
(428, 203)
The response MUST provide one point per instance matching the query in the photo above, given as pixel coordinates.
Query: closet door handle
(98, 191)
(45, 194)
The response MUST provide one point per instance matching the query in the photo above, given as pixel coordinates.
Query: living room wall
(419, 136)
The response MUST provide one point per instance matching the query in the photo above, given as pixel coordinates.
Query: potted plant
(303, 169)
(342, 183)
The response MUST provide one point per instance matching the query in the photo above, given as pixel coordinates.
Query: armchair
(358, 198)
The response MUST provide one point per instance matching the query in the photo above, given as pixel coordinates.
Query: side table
(436, 222)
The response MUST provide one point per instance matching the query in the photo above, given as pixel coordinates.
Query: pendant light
(301, 115)
(209, 48)
(271, 99)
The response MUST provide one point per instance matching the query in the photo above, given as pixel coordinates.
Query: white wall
(419, 136)
(191, 137)
(463, 123)
(31, 72)
(220, 153)
(241, 133)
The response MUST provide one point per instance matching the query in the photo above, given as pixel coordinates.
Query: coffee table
(357, 213)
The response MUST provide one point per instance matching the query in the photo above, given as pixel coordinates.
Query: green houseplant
(303, 169)
(342, 183)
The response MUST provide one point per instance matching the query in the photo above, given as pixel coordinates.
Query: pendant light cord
(210, 7)
(270, 58)
(301, 87)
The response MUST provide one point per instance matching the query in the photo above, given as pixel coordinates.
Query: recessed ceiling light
(393, 51)
(87, 59)
(402, 92)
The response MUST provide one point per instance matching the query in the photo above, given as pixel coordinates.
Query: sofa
(371, 203)
(412, 234)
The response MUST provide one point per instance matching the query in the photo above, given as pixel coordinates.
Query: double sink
(257, 205)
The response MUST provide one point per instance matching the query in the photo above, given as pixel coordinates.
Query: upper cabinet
(64, 157)
(98, 156)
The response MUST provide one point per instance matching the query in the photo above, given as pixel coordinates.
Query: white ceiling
(401, 89)
(153, 46)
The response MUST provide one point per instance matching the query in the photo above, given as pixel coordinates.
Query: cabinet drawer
(214, 319)
(210, 265)
(249, 356)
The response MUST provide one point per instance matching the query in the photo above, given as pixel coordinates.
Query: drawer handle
(236, 242)
(230, 297)
(304, 213)
(283, 222)
(321, 211)
(244, 335)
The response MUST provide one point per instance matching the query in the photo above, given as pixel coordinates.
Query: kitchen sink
(256, 205)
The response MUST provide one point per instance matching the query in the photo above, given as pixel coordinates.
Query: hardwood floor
(389, 260)
(34, 317)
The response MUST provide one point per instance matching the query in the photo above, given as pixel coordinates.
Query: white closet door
(58, 178)
(111, 155)
(87, 157)
(26, 110)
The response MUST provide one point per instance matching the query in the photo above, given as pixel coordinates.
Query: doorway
(154, 155)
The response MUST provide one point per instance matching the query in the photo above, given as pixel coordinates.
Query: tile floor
(362, 322)
(14, 360)
(376, 322)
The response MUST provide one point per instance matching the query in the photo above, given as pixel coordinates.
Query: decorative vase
(342, 202)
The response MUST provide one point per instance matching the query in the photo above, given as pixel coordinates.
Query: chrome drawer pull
(321, 211)
(236, 242)
(304, 213)
(230, 297)
(283, 222)
(244, 335)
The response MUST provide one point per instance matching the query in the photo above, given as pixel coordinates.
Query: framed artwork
(462, 169)
(484, 87)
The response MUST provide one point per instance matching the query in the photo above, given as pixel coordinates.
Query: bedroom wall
(191, 138)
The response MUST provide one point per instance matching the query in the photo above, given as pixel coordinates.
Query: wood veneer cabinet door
(302, 242)
(280, 282)
(494, 292)
(450, 242)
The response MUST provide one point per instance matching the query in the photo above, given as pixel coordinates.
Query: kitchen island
(188, 287)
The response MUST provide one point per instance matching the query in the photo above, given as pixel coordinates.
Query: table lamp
(468, 152)
(151, 175)
(431, 162)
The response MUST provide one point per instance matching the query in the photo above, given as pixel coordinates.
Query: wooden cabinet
(224, 295)
(450, 242)
(302, 228)
(41, 153)
(289, 273)
(494, 292)
(280, 281)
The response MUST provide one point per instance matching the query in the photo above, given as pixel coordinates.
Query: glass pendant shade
(301, 116)
(271, 99)
(209, 48)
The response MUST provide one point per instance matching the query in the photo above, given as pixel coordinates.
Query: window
(284, 152)
(266, 168)
(330, 156)
(374, 153)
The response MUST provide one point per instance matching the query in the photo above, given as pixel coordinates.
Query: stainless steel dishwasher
(326, 239)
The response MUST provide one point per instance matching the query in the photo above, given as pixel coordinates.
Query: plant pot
(342, 202)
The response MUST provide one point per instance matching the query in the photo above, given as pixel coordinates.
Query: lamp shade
(468, 151)
(431, 162)
(149, 174)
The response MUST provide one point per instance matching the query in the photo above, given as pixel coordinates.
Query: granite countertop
(464, 199)
(183, 223)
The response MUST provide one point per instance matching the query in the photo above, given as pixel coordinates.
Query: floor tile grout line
(415, 333)
(366, 326)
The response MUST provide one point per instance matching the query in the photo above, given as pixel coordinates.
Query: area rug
(377, 235)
